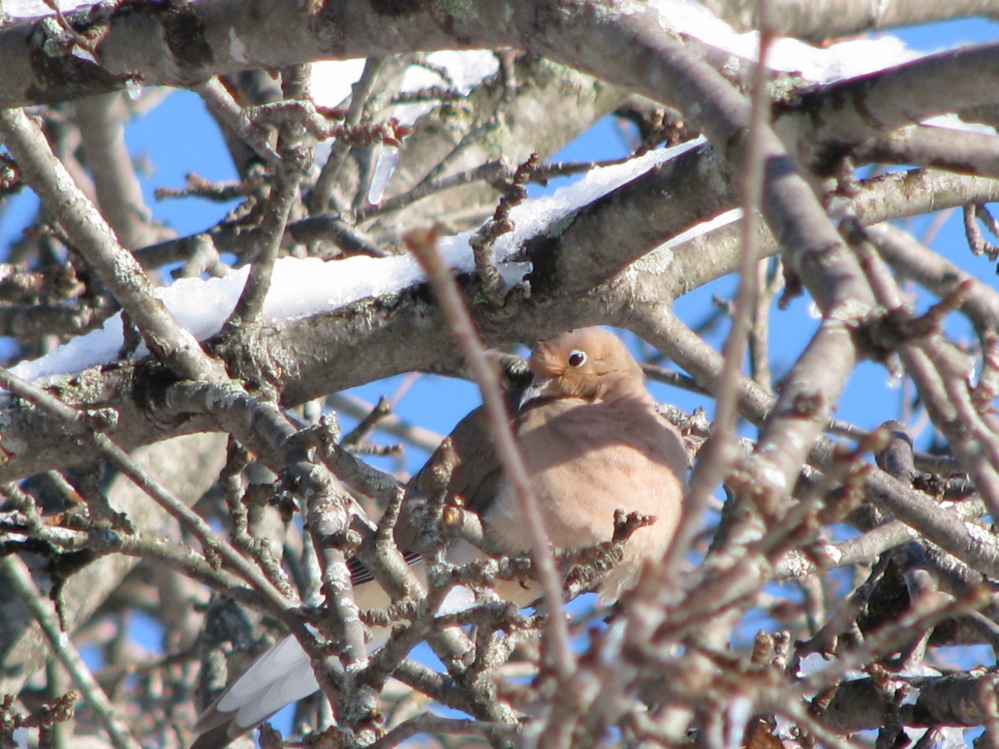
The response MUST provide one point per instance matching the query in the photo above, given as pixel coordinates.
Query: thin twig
(221, 103)
(366, 425)
(104, 711)
(430, 723)
(176, 556)
(716, 457)
(323, 191)
(423, 245)
(358, 409)
(491, 171)
(349, 239)
(482, 241)
(167, 339)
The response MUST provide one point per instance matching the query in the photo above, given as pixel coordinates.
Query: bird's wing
(464, 466)
(464, 469)
(283, 675)
(280, 676)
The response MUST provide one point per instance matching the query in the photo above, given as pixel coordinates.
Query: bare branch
(117, 268)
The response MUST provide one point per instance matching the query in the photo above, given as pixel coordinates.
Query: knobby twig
(323, 191)
(295, 160)
(423, 245)
(493, 286)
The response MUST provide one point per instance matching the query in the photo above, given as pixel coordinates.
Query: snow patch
(331, 80)
(847, 59)
(953, 122)
(304, 287)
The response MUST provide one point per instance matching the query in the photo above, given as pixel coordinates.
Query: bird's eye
(577, 358)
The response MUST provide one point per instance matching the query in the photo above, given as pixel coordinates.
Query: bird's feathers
(592, 442)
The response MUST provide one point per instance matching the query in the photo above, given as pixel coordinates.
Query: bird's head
(589, 363)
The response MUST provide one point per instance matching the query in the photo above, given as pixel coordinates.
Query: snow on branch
(304, 287)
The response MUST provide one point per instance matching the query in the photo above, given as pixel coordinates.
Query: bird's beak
(536, 390)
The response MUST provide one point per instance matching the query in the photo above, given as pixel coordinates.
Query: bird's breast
(586, 461)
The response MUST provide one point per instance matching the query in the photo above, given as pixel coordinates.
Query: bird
(592, 442)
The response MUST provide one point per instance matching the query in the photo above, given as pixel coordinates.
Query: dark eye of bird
(577, 358)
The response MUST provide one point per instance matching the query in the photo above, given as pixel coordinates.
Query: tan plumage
(592, 442)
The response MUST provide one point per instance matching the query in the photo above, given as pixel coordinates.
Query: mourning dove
(592, 442)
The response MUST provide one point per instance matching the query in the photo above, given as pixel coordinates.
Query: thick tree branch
(971, 153)
(829, 120)
(323, 348)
